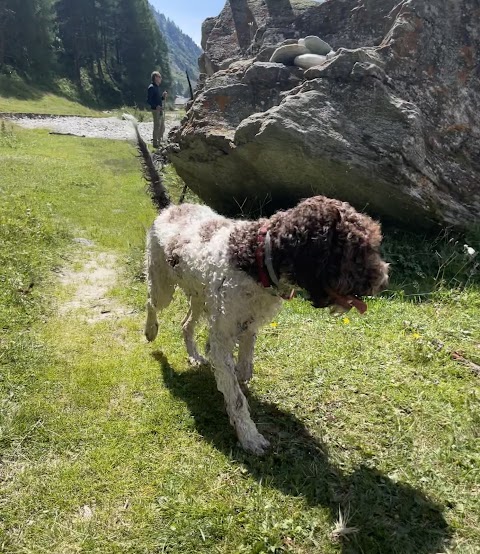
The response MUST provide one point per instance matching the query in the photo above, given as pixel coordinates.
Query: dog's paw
(244, 388)
(151, 331)
(257, 444)
(197, 360)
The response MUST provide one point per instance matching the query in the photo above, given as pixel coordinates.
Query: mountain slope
(183, 53)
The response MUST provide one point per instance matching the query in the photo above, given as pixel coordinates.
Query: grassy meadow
(112, 445)
(60, 98)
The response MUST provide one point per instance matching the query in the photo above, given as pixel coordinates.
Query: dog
(237, 273)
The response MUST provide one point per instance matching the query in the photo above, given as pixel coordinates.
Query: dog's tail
(156, 188)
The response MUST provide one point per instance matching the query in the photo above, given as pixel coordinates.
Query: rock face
(390, 122)
(242, 25)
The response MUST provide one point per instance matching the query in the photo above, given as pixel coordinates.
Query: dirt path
(88, 280)
(91, 127)
(86, 284)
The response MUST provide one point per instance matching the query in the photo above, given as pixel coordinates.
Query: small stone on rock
(317, 46)
(306, 61)
(287, 54)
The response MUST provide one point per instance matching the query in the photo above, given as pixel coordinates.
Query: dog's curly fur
(322, 245)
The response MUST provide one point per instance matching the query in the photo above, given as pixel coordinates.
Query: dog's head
(332, 252)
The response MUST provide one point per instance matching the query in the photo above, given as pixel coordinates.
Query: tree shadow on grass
(391, 517)
(14, 87)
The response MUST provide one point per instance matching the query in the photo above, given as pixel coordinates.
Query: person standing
(156, 99)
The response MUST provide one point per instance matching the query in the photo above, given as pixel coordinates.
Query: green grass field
(111, 445)
(17, 96)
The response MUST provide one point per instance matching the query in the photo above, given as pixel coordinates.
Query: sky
(189, 14)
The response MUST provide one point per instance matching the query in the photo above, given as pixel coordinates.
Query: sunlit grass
(19, 96)
(110, 445)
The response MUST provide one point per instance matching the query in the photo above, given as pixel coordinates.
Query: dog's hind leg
(221, 354)
(188, 327)
(246, 347)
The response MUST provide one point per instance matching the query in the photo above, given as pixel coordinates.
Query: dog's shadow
(391, 517)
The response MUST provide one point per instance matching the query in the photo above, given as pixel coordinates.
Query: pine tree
(78, 32)
(108, 47)
(141, 49)
(106, 13)
(26, 35)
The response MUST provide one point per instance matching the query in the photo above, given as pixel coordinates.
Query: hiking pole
(189, 85)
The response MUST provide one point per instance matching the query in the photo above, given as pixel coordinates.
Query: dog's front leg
(221, 353)
(246, 348)
(160, 285)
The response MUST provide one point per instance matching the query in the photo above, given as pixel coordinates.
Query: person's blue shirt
(155, 97)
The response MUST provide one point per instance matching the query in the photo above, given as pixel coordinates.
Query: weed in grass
(341, 528)
(7, 135)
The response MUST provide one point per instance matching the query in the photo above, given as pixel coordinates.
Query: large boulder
(390, 122)
(242, 25)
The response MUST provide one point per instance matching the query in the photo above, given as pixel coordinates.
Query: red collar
(263, 276)
(260, 258)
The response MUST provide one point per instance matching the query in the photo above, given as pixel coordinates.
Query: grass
(17, 96)
(110, 445)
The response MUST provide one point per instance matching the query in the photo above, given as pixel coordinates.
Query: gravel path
(91, 127)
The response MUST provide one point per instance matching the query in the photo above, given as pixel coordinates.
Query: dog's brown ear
(375, 235)
(336, 219)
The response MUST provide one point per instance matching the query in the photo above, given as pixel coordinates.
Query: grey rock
(389, 123)
(289, 41)
(83, 242)
(341, 66)
(265, 54)
(362, 70)
(317, 46)
(287, 54)
(205, 65)
(306, 61)
(207, 27)
(316, 72)
(252, 26)
(266, 73)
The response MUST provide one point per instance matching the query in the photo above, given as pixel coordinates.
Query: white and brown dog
(236, 272)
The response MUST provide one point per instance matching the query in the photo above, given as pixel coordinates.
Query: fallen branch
(65, 134)
(458, 357)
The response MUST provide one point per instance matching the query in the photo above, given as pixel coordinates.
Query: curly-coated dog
(236, 272)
